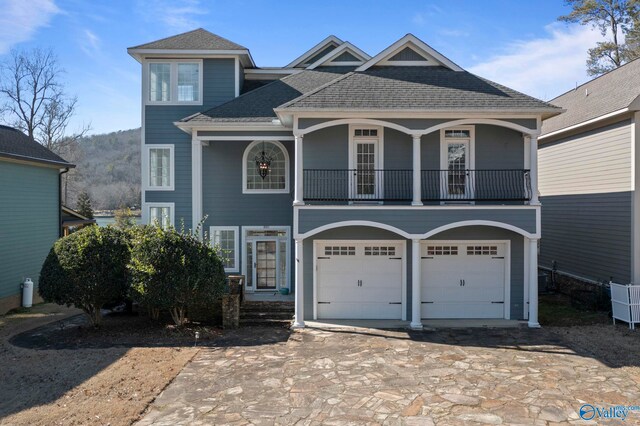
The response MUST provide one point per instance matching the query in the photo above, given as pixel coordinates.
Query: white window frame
(147, 175)
(236, 244)
(287, 169)
(444, 158)
(379, 154)
(173, 81)
(172, 212)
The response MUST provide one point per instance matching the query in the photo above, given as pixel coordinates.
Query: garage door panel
(377, 265)
(463, 279)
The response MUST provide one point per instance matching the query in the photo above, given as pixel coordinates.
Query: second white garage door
(359, 279)
(463, 279)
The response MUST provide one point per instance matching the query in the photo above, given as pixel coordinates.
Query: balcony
(352, 185)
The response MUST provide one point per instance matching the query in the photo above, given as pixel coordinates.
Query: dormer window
(174, 82)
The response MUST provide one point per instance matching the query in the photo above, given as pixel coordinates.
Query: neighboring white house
(589, 172)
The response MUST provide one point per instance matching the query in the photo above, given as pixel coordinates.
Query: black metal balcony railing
(329, 185)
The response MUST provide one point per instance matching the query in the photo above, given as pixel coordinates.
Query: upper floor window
(161, 169)
(277, 177)
(174, 82)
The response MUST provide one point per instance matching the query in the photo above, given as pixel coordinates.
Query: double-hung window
(161, 214)
(226, 238)
(161, 167)
(174, 82)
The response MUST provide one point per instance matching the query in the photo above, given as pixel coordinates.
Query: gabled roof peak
(346, 54)
(198, 39)
(329, 43)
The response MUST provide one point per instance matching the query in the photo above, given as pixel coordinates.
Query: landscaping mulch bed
(69, 373)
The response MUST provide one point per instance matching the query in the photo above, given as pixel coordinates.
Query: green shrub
(171, 271)
(87, 269)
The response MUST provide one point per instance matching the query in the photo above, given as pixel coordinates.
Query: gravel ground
(66, 373)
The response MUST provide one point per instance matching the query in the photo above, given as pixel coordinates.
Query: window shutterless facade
(227, 239)
(172, 82)
(161, 214)
(277, 180)
(160, 173)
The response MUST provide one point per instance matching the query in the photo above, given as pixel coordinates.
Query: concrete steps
(266, 314)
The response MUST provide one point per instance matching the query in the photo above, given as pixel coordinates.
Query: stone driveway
(476, 376)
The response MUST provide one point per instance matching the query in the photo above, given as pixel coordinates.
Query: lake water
(109, 220)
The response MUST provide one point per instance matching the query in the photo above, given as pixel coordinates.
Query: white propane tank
(27, 293)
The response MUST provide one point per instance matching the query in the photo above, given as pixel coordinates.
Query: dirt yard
(62, 372)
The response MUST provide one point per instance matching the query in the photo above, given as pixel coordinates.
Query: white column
(196, 184)
(533, 283)
(417, 187)
(416, 286)
(533, 159)
(298, 195)
(299, 310)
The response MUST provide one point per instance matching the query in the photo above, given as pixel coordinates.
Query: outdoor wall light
(263, 163)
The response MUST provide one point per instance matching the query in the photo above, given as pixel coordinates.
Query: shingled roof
(16, 145)
(613, 91)
(416, 88)
(258, 104)
(199, 39)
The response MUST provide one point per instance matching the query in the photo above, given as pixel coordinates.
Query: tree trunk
(178, 314)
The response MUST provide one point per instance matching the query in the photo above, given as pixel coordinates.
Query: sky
(516, 43)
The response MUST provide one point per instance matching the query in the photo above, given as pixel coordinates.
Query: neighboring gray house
(588, 161)
(30, 212)
(397, 186)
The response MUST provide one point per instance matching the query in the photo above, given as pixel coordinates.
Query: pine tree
(616, 19)
(84, 205)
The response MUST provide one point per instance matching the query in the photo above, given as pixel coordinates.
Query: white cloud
(20, 20)
(90, 43)
(179, 15)
(544, 67)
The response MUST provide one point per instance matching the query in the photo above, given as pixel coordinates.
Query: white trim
(344, 47)
(419, 132)
(424, 207)
(635, 185)
(533, 283)
(146, 184)
(299, 291)
(403, 245)
(525, 297)
(410, 236)
(585, 123)
(236, 244)
(244, 240)
(196, 184)
(507, 265)
(419, 44)
(141, 54)
(172, 211)
(317, 48)
(286, 71)
(189, 127)
(531, 114)
(236, 81)
(471, 155)
(246, 138)
(287, 170)
(173, 81)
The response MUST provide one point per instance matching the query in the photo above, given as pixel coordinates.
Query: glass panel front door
(265, 265)
(457, 169)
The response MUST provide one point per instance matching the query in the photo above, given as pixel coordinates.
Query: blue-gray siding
(588, 235)
(218, 87)
(29, 222)
(464, 233)
(415, 220)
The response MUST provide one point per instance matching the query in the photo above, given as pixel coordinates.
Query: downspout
(66, 170)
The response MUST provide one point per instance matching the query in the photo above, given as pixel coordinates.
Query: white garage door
(359, 279)
(463, 279)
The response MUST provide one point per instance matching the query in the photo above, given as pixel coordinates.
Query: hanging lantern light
(263, 163)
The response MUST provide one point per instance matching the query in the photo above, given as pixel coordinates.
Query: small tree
(84, 205)
(87, 269)
(124, 218)
(171, 271)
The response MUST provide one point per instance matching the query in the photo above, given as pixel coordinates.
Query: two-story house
(395, 186)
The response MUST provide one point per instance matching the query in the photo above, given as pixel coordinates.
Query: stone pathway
(267, 376)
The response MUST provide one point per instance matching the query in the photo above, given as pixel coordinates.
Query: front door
(266, 271)
(365, 182)
(457, 166)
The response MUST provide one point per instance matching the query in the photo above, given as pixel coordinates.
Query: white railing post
(417, 187)
(196, 183)
(299, 269)
(416, 286)
(298, 196)
(533, 174)
(533, 283)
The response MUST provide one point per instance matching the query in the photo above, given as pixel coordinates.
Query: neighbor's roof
(258, 104)
(610, 92)
(16, 145)
(432, 88)
(199, 39)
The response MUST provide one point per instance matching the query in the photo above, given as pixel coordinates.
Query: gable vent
(407, 54)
